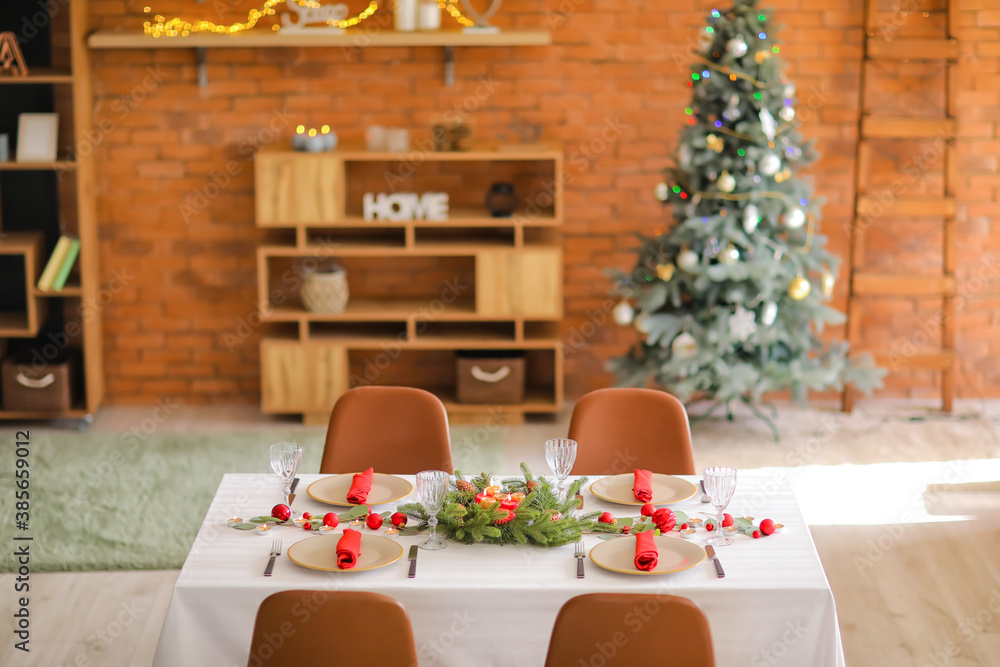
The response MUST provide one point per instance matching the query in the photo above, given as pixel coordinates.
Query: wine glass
(432, 487)
(720, 484)
(560, 454)
(285, 457)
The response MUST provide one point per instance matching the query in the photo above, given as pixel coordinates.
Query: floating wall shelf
(448, 39)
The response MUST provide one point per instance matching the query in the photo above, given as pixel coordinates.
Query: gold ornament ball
(715, 143)
(726, 182)
(730, 255)
(799, 288)
(665, 272)
(687, 259)
(684, 346)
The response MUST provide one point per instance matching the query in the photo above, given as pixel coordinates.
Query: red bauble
(709, 526)
(665, 519)
(626, 529)
(727, 520)
(684, 526)
(331, 519)
(306, 516)
(374, 521)
(756, 534)
(307, 526)
(398, 519)
(767, 526)
(607, 517)
(647, 510)
(281, 512)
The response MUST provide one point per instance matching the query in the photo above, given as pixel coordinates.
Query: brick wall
(609, 91)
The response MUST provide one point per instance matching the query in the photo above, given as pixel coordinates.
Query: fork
(579, 553)
(275, 552)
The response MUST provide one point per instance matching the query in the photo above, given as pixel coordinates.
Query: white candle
(430, 15)
(406, 15)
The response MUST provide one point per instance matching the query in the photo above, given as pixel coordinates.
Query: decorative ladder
(866, 284)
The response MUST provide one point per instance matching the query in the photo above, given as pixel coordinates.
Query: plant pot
(325, 291)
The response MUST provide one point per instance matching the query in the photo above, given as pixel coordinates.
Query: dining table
(490, 605)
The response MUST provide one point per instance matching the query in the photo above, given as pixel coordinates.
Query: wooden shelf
(477, 153)
(111, 39)
(77, 412)
(68, 291)
(38, 75)
(63, 164)
(15, 325)
(535, 400)
(378, 310)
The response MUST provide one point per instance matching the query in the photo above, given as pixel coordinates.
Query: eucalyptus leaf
(244, 526)
(626, 521)
(608, 537)
(265, 519)
(681, 517)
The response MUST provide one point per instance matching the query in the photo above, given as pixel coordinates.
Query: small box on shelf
(493, 377)
(31, 382)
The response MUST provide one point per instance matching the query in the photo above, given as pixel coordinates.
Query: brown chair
(627, 630)
(619, 430)
(295, 629)
(398, 430)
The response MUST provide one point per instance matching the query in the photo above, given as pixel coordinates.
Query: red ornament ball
(607, 517)
(626, 529)
(307, 526)
(331, 519)
(665, 519)
(398, 519)
(281, 512)
(684, 526)
(756, 534)
(727, 520)
(767, 526)
(306, 516)
(374, 521)
(709, 526)
(647, 510)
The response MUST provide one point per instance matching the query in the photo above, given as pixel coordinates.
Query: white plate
(320, 553)
(666, 489)
(385, 489)
(675, 555)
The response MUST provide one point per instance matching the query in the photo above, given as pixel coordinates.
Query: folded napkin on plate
(348, 549)
(646, 554)
(360, 487)
(643, 486)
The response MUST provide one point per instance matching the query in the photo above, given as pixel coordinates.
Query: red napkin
(349, 549)
(646, 554)
(643, 486)
(360, 487)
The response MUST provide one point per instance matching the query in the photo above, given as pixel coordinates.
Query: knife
(704, 494)
(291, 491)
(413, 560)
(710, 550)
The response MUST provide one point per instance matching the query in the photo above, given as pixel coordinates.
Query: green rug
(100, 502)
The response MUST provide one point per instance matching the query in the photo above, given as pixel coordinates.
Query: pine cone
(532, 485)
(463, 485)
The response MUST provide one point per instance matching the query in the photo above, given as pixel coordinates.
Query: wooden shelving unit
(33, 249)
(514, 303)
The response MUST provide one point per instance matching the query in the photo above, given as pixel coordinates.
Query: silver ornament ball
(623, 313)
(795, 218)
(726, 182)
(737, 47)
(770, 164)
(662, 192)
(687, 259)
(787, 114)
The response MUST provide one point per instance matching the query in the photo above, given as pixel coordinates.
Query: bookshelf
(30, 317)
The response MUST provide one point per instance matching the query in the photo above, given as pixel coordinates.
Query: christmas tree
(728, 302)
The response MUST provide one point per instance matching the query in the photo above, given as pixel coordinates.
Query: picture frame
(37, 137)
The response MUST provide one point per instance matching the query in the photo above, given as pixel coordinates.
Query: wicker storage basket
(33, 384)
(489, 377)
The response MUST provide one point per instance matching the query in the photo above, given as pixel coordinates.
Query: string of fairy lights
(161, 26)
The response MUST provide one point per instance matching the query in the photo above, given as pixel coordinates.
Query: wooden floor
(925, 593)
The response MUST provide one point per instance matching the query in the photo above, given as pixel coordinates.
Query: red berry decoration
(727, 520)
(374, 521)
(331, 519)
(281, 512)
(665, 519)
(756, 534)
(607, 517)
(307, 526)
(398, 519)
(626, 529)
(647, 510)
(767, 526)
(709, 526)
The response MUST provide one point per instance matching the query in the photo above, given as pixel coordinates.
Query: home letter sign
(406, 206)
(313, 13)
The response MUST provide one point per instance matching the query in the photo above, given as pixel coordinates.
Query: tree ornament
(715, 143)
(743, 323)
(795, 218)
(783, 175)
(829, 282)
(684, 155)
(623, 314)
(641, 323)
(767, 124)
(662, 191)
(726, 182)
(787, 114)
(762, 55)
(732, 112)
(687, 259)
(398, 519)
(751, 218)
(770, 164)
(684, 346)
(799, 288)
(736, 47)
(665, 271)
(730, 255)
(769, 314)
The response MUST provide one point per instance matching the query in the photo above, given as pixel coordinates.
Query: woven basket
(325, 291)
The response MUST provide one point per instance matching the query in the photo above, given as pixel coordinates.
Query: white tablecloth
(495, 606)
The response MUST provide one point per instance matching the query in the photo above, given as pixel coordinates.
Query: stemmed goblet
(432, 488)
(560, 454)
(285, 457)
(720, 484)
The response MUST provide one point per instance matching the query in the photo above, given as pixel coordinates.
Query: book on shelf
(59, 264)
